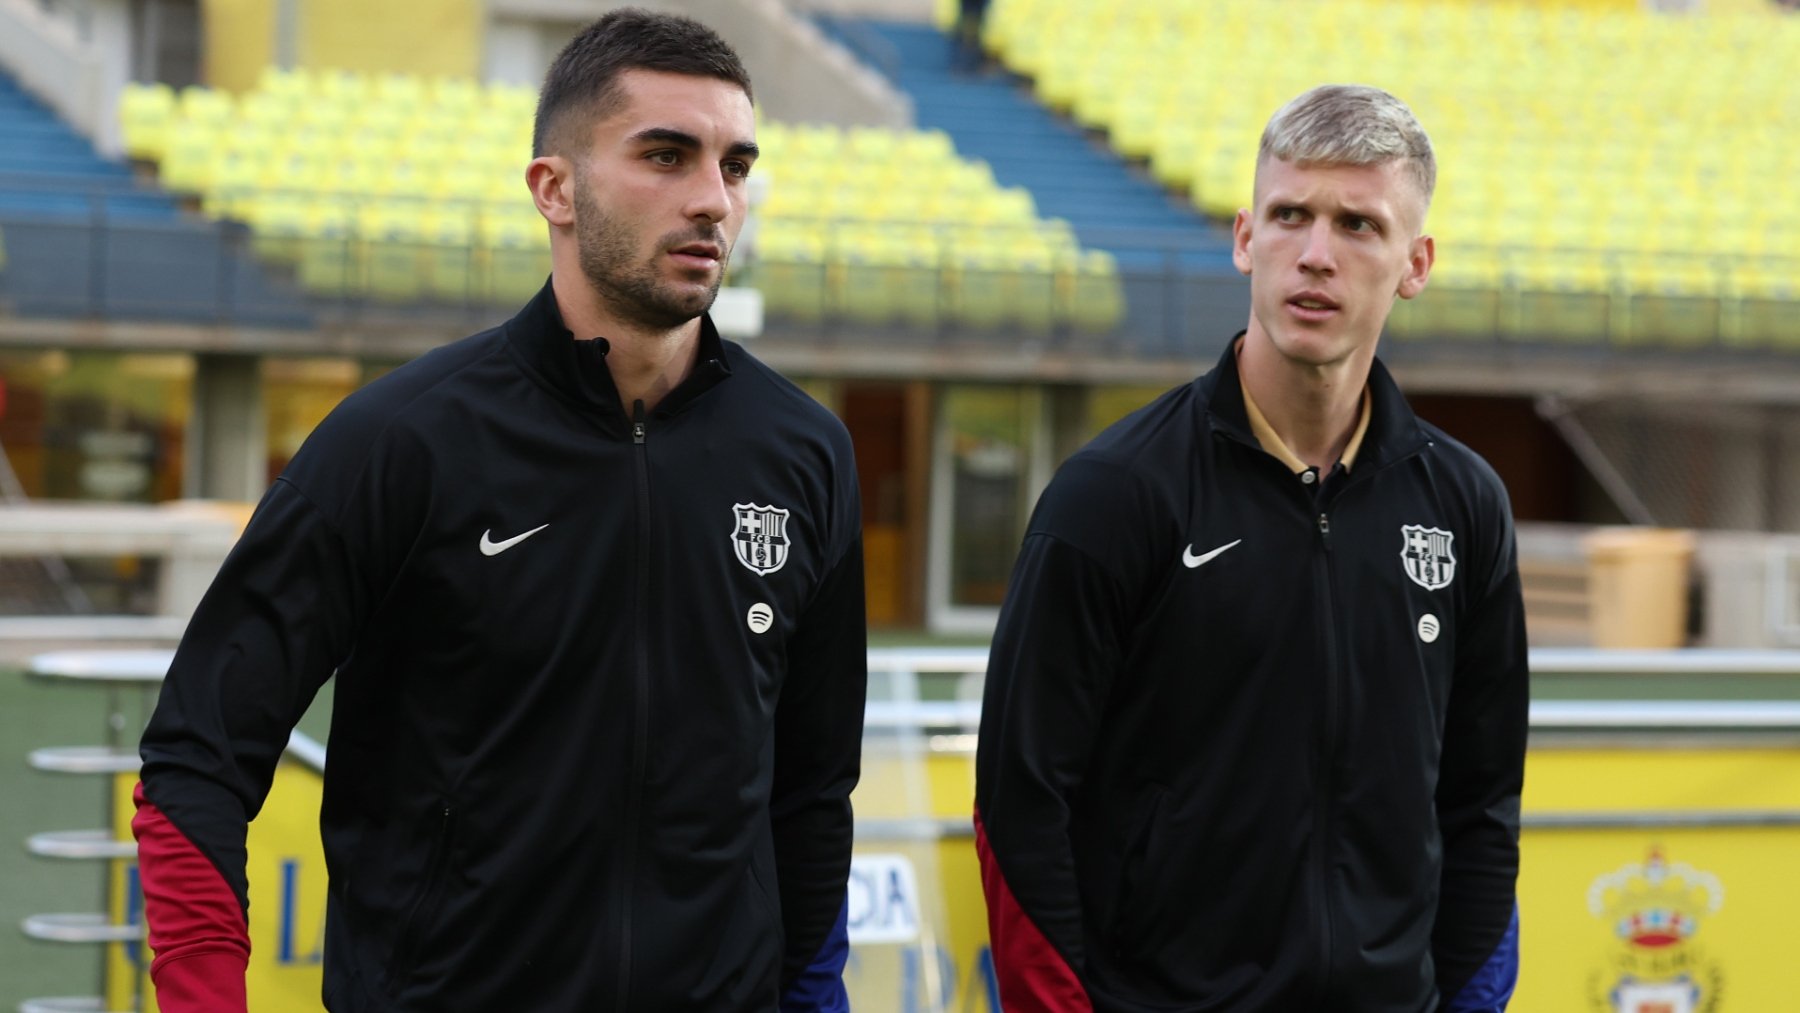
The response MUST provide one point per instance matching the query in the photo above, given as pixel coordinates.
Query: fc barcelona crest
(1425, 552)
(760, 537)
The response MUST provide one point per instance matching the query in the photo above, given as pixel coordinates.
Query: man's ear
(552, 182)
(1240, 241)
(1418, 266)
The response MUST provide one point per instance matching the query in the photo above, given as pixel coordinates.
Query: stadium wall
(77, 69)
(800, 75)
(240, 41)
(916, 11)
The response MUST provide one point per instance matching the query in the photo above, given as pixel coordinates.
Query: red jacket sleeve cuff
(197, 926)
(1033, 977)
(201, 981)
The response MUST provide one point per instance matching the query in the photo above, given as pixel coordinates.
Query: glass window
(95, 425)
(989, 431)
(1107, 405)
(824, 391)
(297, 395)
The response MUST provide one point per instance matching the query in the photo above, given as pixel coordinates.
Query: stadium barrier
(1661, 812)
(1131, 290)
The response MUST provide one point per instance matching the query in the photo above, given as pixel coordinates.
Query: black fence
(124, 254)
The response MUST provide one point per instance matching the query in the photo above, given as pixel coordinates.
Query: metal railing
(117, 257)
(925, 702)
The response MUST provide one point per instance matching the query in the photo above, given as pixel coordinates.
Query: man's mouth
(1312, 305)
(710, 252)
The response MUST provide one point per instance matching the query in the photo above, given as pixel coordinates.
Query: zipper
(1333, 692)
(640, 730)
(1333, 684)
(424, 909)
(1333, 667)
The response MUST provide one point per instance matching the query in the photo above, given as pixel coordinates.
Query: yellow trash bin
(1638, 586)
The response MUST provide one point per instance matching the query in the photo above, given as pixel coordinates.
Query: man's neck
(646, 363)
(1314, 409)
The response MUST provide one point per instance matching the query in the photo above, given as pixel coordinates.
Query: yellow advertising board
(1676, 918)
(916, 803)
(1625, 906)
(287, 902)
(1615, 917)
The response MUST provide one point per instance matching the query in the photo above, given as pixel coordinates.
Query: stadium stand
(1619, 170)
(408, 189)
(81, 236)
(1156, 243)
(989, 118)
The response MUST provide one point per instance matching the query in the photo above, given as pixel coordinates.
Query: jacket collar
(1394, 431)
(577, 369)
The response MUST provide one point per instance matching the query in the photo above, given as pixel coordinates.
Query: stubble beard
(631, 290)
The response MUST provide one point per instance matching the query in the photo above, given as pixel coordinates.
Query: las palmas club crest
(1425, 552)
(760, 537)
(1654, 910)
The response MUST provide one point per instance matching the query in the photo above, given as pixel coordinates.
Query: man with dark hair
(591, 585)
(1253, 735)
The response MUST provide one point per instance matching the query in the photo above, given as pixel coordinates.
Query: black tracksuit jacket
(1226, 761)
(600, 683)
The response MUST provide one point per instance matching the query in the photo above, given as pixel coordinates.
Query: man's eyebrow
(1370, 214)
(683, 139)
(666, 135)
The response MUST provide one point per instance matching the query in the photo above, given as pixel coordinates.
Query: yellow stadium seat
(1673, 301)
(206, 106)
(447, 234)
(365, 185)
(234, 179)
(145, 114)
(927, 147)
(1671, 150)
(291, 86)
(1009, 206)
(1558, 296)
(188, 159)
(330, 258)
(1097, 301)
(793, 281)
(345, 87)
(516, 256)
(278, 224)
(392, 238)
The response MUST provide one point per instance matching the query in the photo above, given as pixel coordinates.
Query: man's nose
(1317, 256)
(710, 198)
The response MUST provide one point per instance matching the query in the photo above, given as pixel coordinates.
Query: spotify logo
(1428, 628)
(760, 618)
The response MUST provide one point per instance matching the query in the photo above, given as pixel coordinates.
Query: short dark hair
(583, 82)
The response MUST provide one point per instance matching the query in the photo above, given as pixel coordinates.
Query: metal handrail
(80, 927)
(64, 1004)
(85, 760)
(1542, 660)
(80, 844)
(1682, 661)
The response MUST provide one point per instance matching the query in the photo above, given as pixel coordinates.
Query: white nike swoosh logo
(489, 547)
(1188, 557)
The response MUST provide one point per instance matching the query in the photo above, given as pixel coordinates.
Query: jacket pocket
(1137, 874)
(765, 904)
(427, 901)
